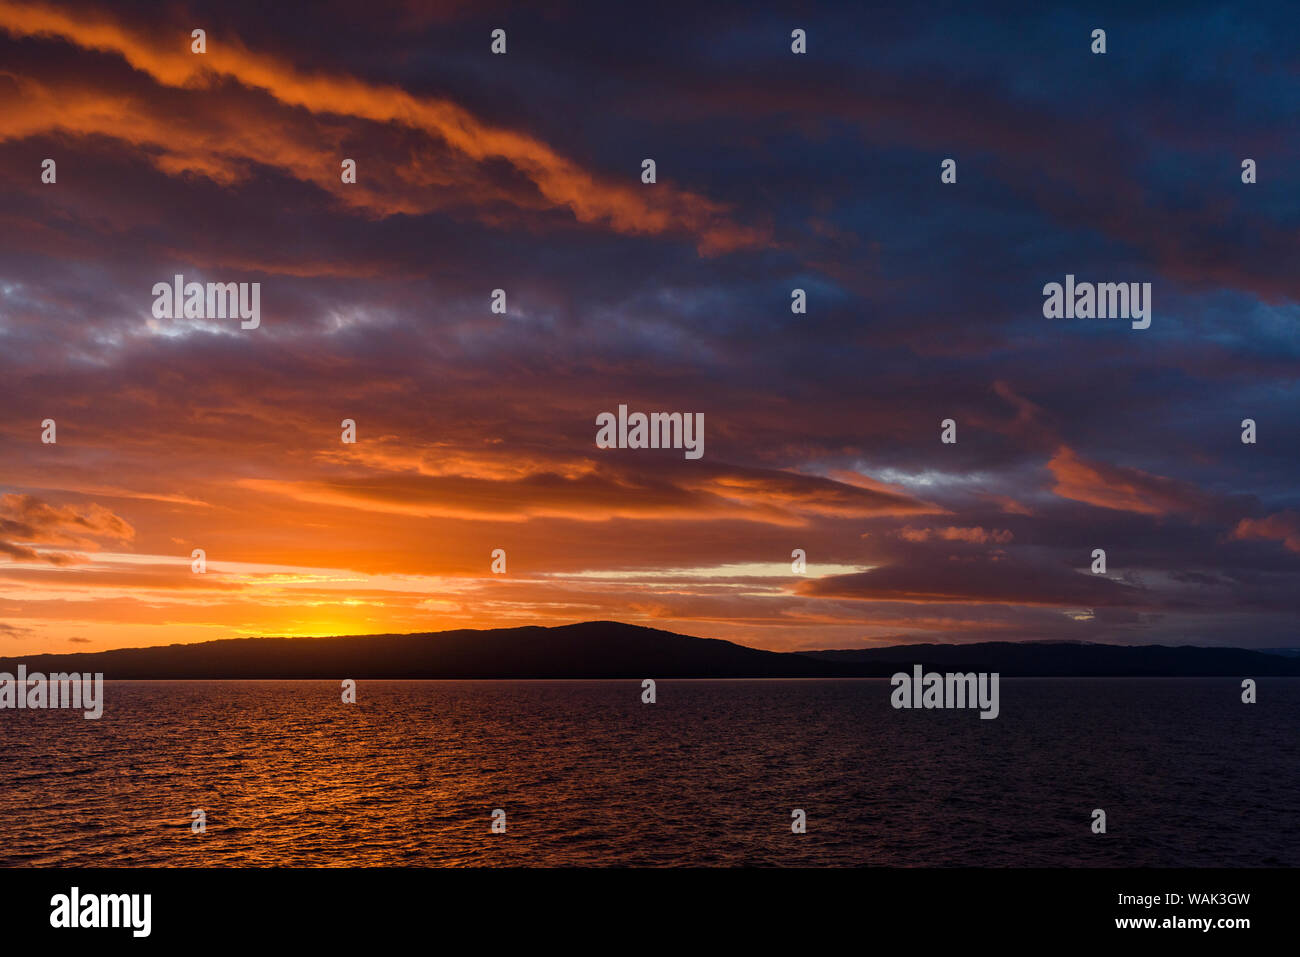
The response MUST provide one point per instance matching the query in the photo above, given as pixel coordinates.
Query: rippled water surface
(588, 775)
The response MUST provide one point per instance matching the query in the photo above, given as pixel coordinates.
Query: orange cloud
(629, 208)
(1121, 488)
(973, 536)
(598, 493)
(26, 521)
(1007, 504)
(1282, 526)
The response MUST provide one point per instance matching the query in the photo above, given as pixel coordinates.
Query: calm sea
(588, 775)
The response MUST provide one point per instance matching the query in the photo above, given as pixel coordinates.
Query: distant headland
(609, 649)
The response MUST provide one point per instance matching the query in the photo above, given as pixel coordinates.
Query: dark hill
(596, 649)
(607, 649)
(1065, 659)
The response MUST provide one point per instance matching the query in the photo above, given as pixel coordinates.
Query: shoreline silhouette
(607, 649)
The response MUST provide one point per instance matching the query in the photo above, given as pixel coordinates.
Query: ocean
(587, 775)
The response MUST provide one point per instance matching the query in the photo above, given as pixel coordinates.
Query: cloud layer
(475, 430)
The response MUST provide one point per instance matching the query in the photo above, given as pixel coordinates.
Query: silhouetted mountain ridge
(607, 649)
(1066, 659)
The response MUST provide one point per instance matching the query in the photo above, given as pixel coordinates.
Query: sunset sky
(775, 171)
